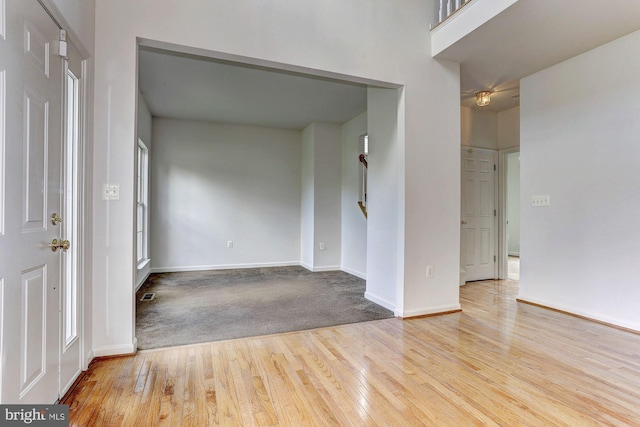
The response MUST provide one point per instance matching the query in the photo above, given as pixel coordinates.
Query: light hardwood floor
(513, 268)
(498, 362)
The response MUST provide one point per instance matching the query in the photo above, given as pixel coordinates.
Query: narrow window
(71, 208)
(142, 179)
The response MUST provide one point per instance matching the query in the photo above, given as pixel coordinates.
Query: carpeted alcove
(203, 306)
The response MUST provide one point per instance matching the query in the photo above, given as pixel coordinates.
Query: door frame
(85, 182)
(503, 256)
(80, 240)
(85, 200)
(85, 185)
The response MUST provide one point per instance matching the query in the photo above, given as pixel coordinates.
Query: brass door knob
(59, 244)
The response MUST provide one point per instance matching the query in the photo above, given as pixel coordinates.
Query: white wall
(321, 188)
(307, 197)
(78, 16)
(213, 183)
(513, 204)
(509, 128)
(479, 128)
(382, 197)
(579, 144)
(378, 42)
(354, 224)
(488, 129)
(327, 197)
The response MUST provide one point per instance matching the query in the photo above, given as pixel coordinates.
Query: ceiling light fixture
(483, 98)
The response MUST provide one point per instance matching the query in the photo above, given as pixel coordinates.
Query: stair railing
(363, 188)
(449, 7)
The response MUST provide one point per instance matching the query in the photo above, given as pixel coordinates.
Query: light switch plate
(540, 200)
(111, 192)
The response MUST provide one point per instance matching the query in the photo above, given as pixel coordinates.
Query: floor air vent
(148, 297)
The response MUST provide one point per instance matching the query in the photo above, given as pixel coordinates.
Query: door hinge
(494, 213)
(494, 258)
(494, 168)
(62, 48)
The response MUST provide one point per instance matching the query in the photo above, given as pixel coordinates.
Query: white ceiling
(183, 86)
(533, 35)
(528, 37)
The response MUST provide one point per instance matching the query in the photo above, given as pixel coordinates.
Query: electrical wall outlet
(230, 244)
(429, 271)
(322, 247)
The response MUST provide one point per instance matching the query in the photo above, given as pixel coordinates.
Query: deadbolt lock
(55, 219)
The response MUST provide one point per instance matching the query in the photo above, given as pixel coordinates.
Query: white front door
(31, 136)
(478, 216)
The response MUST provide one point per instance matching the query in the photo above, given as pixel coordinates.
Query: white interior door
(31, 93)
(478, 216)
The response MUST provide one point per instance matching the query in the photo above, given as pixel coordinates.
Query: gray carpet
(193, 307)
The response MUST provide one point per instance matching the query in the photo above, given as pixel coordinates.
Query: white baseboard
(65, 388)
(380, 301)
(175, 269)
(141, 281)
(326, 268)
(580, 313)
(115, 350)
(305, 265)
(319, 269)
(88, 359)
(354, 273)
(429, 310)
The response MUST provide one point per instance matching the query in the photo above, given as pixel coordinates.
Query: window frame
(142, 204)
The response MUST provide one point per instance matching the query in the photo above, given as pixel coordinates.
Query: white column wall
(327, 197)
(430, 192)
(579, 145)
(321, 201)
(364, 40)
(307, 198)
(509, 128)
(382, 197)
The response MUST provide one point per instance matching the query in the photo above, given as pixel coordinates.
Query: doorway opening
(228, 178)
(511, 215)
